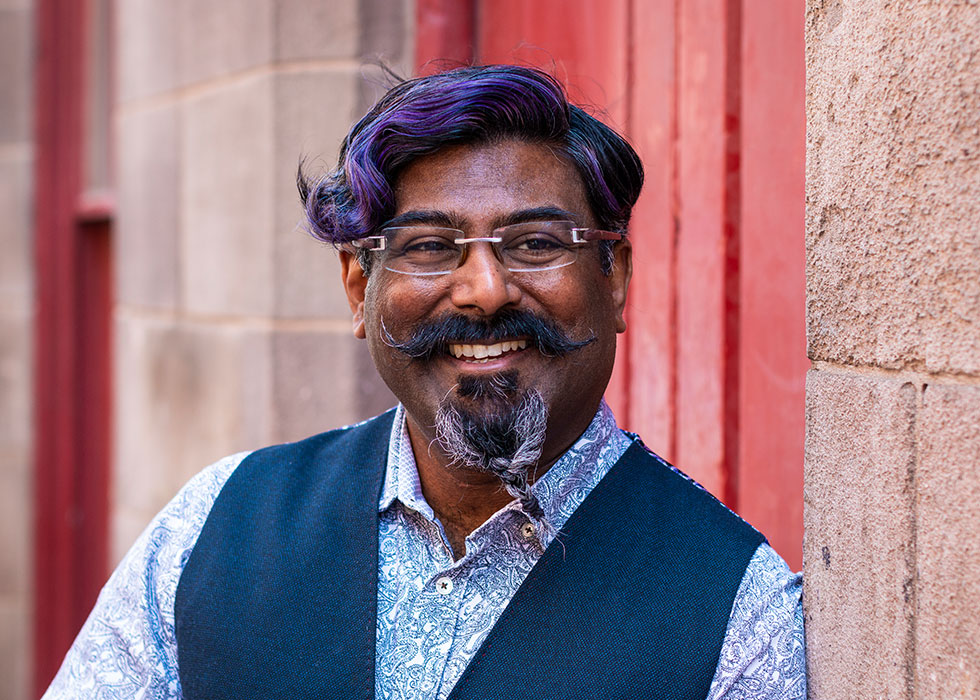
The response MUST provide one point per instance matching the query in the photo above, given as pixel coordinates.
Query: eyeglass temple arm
(369, 243)
(583, 235)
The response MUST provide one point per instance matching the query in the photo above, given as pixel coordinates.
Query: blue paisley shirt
(433, 611)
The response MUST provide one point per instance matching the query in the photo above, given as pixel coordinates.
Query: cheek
(397, 303)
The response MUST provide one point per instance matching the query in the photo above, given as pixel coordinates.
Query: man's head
(475, 105)
(518, 330)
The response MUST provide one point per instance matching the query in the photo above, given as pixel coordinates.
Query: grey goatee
(504, 440)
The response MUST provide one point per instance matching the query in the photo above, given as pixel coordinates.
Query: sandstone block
(948, 543)
(227, 193)
(893, 197)
(858, 554)
(187, 394)
(16, 235)
(15, 648)
(314, 110)
(16, 540)
(221, 37)
(148, 231)
(16, 379)
(386, 32)
(323, 380)
(307, 30)
(16, 79)
(146, 41)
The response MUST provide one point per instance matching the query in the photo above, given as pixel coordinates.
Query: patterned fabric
(433, 612)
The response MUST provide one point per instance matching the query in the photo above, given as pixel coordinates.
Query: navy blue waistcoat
(278, 597)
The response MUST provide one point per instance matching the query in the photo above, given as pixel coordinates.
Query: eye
(421, 241)
(536, 242)
(427, 244)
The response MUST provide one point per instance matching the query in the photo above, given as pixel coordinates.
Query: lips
(478, 352)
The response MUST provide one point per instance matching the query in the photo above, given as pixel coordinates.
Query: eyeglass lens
(530, 246)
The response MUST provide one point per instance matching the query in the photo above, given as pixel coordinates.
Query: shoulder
(684, 501)
(763, 652)
(307, 468)
(130, 632)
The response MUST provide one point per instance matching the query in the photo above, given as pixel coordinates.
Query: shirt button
(527, 529)
(444, 585)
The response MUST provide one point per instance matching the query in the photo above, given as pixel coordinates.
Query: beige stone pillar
(892, 498)
(232, 330)
(16, 343)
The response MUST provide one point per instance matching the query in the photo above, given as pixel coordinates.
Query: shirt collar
(560, 490)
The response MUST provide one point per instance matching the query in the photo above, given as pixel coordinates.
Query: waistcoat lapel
(631, 599)
(278, 598)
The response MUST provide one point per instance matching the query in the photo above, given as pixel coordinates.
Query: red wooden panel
(652, 302)
(773, 359)
(93, 401)
(586, 45)
(72, 349)
(444, 34)
(57, 177)
(706, 257)
(582, 42)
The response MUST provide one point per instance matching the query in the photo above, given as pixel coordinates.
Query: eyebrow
(435, 217)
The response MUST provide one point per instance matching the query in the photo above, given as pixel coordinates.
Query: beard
(503, 435)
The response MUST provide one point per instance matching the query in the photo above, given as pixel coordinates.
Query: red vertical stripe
(58, 116)
(444, 34)
(586, 46)
(711, 94)
(773, 360)
(72, 349)
(707, 245)
(653, 230)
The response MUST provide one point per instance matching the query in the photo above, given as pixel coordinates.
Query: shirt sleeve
(762, 656)
(127, 648)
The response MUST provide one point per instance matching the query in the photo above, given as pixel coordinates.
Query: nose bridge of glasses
(465, 243)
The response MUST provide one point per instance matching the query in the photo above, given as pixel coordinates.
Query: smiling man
(496, 535)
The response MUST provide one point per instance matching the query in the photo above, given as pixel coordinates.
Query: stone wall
(892, 497)
(232, 330)
(16, 334)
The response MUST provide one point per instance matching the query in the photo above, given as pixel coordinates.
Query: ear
(355, 283)
(619, 280)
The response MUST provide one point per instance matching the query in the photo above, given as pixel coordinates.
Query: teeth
(482, 352)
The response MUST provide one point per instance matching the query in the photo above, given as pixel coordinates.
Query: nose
(481, 283)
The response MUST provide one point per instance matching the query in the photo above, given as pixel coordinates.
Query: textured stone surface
(15, 78)
(16, 383)
(948, 544)
(227, 191)
(148, 229)
(385, 31)
(15, 651)
(323, 380)
(186, 395)
(893, 184)
(222, 37)
(16, 239)
(858, 549)
(146, 39)
(314, 110)
(306, 30)
(16, 500)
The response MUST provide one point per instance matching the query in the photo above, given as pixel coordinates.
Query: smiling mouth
(472, 352)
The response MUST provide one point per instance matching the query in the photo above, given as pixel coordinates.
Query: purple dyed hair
(472, 105)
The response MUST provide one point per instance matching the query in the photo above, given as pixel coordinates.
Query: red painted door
(710, 92)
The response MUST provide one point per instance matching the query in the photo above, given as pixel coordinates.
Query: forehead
(481, 184)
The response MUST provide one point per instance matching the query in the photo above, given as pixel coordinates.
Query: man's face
(477, 189)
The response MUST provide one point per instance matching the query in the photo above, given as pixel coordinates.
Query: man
(495, 535)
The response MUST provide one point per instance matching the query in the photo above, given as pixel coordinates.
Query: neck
(461, 498)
